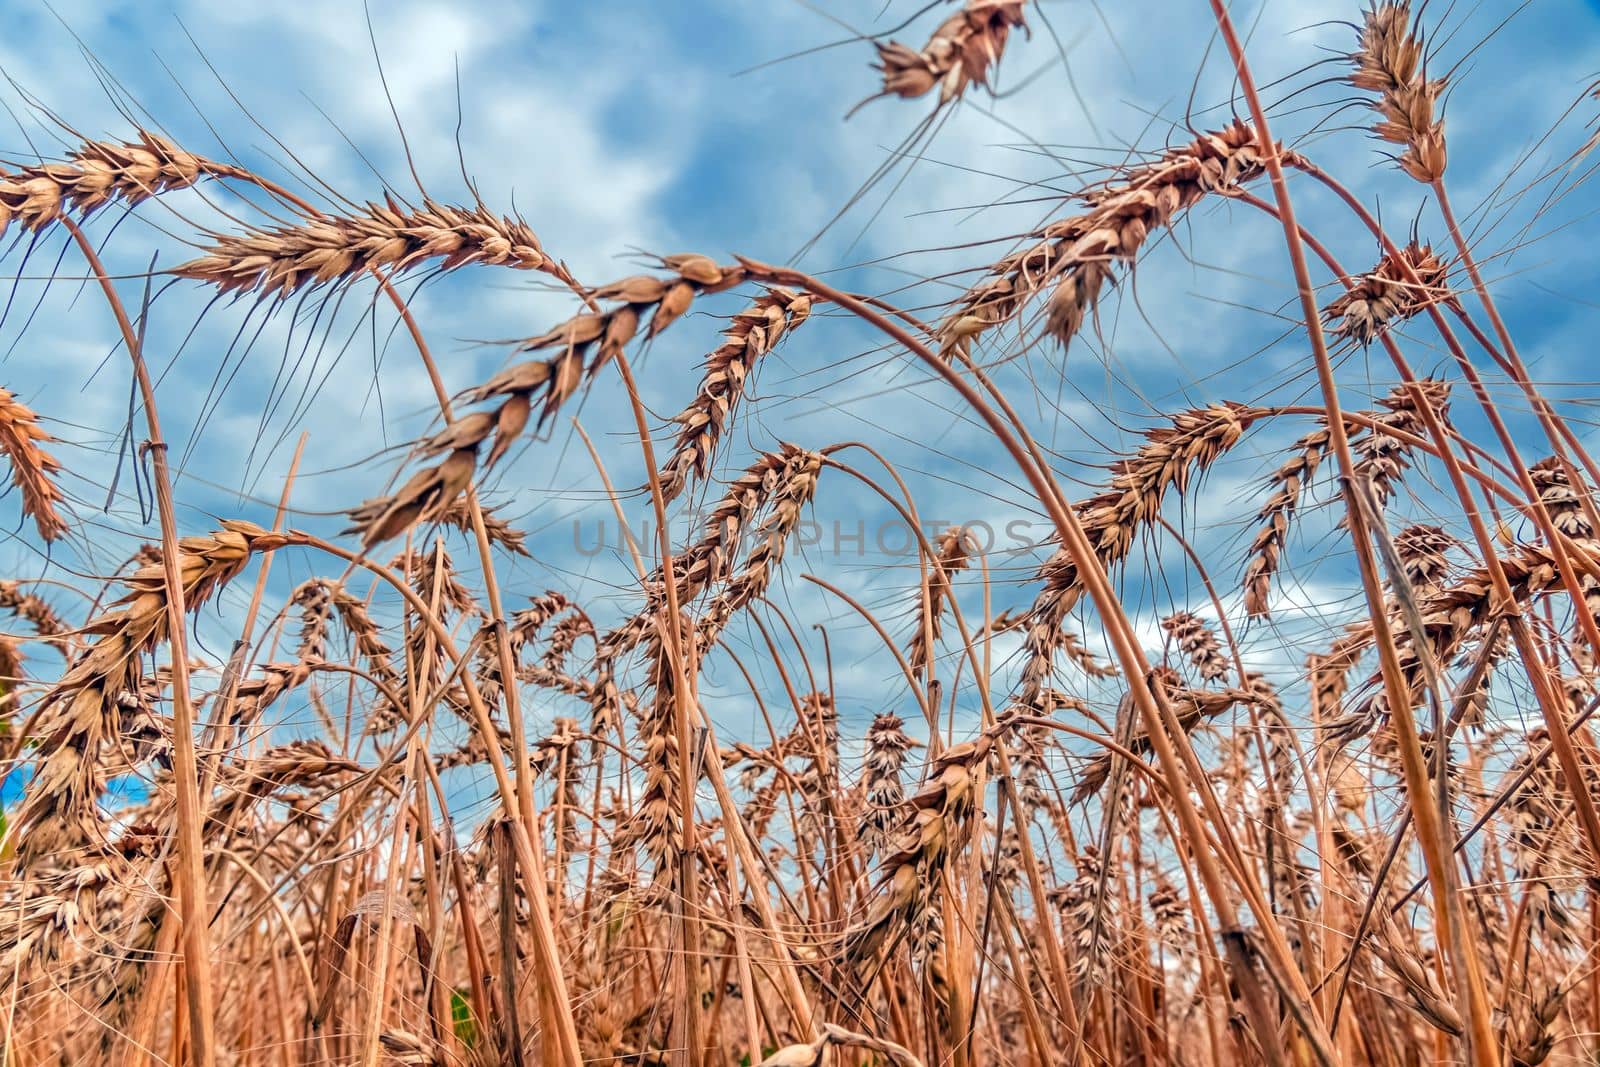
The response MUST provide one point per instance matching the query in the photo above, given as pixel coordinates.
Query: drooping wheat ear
(554, 379)
(1451, 616)
(427, 496)
(1424, 556)
(960, 53)
(433, 494)
(1382, 457)
(368, 637)
(56, 906)
(1328, 672)
(1029, 760)
(1075, 255)
(98, 173)
(406, 1049)
(256, 695)
(763, 804)
(1385, 296)
(940, 823)
(1195, 640)
(132, 922)
(816, 738)
(83, 711)
(278, 261)
(432, 576)
(1273, 731)
(32, 468)
(500, 531)
(433, 567)
(1391, 61)
(1087, 911)
(1563, 502)
(1070, 646)
(1425, 995)
(777, 485)
(656, 823)
(1171, 457)
(953, 557)
(295, 763)
(754, 333)
(887, 745)
(570, 623)
(526, 624)
(784, 510)
(1169, 916)
(1529, 1030)
(564, 636)
(1289, 482)
(30, 606)
(1192, 707)
(318, 600)
(314, 598)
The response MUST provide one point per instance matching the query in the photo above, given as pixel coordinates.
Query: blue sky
(620, 126)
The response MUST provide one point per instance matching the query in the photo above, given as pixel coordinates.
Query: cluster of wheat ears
(1373, 857)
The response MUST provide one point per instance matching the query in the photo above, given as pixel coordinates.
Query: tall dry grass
(1354, 852)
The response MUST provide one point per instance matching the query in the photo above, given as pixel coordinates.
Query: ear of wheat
(960, 54)
(82, 710)
(98, 173)
(279, 261)
(1391, 62)
(1074, 257)
(1170, 459)
(33, 470)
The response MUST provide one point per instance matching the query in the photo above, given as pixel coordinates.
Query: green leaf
(461, 1019)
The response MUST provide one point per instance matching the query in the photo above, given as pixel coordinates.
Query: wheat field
(330, 780)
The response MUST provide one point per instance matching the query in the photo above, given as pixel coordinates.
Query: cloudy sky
(619, 128)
